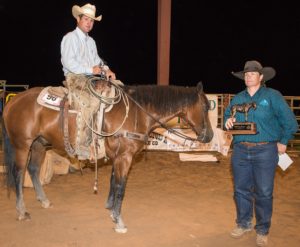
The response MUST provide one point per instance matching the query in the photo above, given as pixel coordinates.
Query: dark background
(209, 39)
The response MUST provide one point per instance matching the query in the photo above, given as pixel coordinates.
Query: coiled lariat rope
(109, 101)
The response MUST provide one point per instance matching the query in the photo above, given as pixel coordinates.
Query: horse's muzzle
(205, 136)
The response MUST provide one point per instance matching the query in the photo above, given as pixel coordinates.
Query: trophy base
(245, 128)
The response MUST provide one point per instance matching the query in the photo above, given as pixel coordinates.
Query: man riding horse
(79, 53)
(80, 60)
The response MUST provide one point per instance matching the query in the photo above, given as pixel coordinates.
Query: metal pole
(163, 41)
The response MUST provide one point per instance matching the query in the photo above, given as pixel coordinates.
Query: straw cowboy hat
(88, 10)
(255, 66)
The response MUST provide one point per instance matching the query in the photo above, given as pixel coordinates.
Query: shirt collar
(82, 35)
(257, 93)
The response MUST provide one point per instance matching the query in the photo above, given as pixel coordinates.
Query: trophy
(243, 128)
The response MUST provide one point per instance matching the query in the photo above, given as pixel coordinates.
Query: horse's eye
(208, 106)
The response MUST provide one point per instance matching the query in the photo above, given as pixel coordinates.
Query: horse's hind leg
(38, 152)
(15, 159)
(18, 174)
(20, 205)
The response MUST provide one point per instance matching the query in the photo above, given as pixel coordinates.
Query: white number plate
(51, 99)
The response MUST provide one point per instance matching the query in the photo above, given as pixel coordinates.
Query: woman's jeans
(253, 172)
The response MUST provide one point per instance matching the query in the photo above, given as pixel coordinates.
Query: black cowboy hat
(254, 66)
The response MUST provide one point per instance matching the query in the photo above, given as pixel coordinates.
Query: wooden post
(163, 41)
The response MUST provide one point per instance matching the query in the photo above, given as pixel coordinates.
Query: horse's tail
(9, 159)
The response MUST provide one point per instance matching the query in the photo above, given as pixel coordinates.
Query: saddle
(52, 97)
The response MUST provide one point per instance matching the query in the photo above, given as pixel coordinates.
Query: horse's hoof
(47, 204)
(121, 229)
(24, 217)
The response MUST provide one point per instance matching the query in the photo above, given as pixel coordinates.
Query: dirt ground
(168, 203)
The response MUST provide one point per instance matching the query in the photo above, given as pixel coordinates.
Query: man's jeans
(253, 171)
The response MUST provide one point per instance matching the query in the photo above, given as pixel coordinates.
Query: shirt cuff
(105, 67)
(89, 70)
(284, 141)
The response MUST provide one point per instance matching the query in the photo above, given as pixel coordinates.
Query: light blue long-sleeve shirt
(79, 53)
(275, 121)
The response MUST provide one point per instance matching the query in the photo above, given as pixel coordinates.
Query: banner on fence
(162, 139)
(213, 111)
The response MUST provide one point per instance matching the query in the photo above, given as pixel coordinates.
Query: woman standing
(255, 157)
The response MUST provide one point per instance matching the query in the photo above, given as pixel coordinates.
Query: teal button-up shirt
(275, 121)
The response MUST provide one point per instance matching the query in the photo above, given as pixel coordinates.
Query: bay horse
(29, 128)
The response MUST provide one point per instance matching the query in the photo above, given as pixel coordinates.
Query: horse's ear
(200, 87)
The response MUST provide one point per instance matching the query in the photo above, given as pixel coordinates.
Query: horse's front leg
(111, 195)
(119, 191)
(119, 178)
(114, 202)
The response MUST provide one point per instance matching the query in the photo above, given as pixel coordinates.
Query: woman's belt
(253, 144)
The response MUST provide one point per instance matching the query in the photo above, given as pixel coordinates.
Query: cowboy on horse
(81, 63)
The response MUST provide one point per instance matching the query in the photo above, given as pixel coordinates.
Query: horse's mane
(164, 99)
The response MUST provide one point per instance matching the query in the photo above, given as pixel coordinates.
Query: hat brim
(76, 11)
(267, 72)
